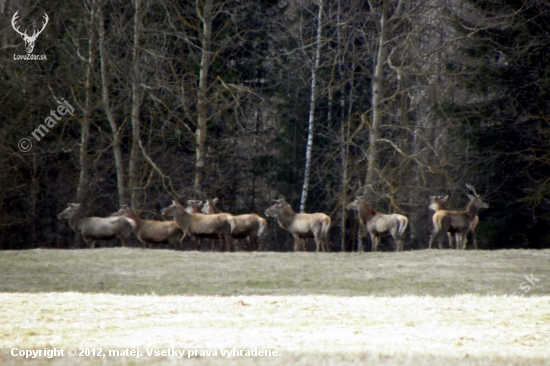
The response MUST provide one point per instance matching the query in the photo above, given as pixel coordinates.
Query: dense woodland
(313, 101)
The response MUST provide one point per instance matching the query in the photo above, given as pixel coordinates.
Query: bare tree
(105, 98)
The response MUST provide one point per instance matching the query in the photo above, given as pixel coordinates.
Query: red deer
(247, 225)
(438, 203)
(379, 225)
(302, 226)
(98, 228)
(201, 226)
(456, 222)
(152, 231)
(194, 206)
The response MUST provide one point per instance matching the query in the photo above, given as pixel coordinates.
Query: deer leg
(90, 243)
(464, 238)
(373, 242)
(296, 243)
(474, 239)
(252, 243)
(450, 238)
(436, 237)
(198, 242)
(230, 242)
(261, 244)
(143, 242)
(317, 243)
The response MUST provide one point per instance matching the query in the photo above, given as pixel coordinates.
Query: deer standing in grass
(379, 225)
(249, 226)
(458, 223)
(98, 228)
(201, 226)
(438, 203)
(302, 226)
(151, 232)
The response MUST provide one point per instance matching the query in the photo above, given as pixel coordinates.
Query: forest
(142, 102)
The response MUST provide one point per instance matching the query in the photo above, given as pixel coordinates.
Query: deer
(302, 226)
(98, 228)
(29, 40)
(194, 206)
(379, 225)
(249, 226)
(199, 226)
(151, 232)
(438, 203)
(458, 223)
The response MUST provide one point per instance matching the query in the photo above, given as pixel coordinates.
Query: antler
(469, 186)
(36, 33)
(24, 34)
(15, 16)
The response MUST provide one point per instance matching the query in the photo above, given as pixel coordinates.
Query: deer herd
(203, 220)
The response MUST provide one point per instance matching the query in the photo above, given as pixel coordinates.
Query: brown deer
(379, 225)
(201, 226)
(249, 226)
(438, 203)
(152, 231)
(456, 222)
(98, 228)
(302, 226)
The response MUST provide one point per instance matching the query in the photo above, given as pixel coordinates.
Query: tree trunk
(377, 96)
(202, 119)
(133, 172)
(312, 109)
(84, 179)
(122, 199)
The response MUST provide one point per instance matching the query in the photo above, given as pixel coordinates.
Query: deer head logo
(29, 40)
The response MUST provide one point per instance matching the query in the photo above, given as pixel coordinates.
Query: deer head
(29, 40)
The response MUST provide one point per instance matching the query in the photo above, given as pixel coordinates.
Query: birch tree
(311, 119)
(135, 152)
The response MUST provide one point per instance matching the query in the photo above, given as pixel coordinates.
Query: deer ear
(471, 197)
(215, 200)
(444, 198)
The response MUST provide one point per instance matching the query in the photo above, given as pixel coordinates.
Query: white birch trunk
(311, 120)
(202, 119)
(133, 171)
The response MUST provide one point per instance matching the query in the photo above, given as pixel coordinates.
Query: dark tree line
(312, 101)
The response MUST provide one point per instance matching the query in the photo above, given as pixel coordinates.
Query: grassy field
(426, 307)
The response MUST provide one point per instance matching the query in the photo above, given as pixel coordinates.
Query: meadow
(426, 307)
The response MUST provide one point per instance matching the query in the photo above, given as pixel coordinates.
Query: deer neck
(76, 222)
(212, 209)
(135, 218)
(182, 216)
(366, 212)
(285, 218)
(472, 210)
